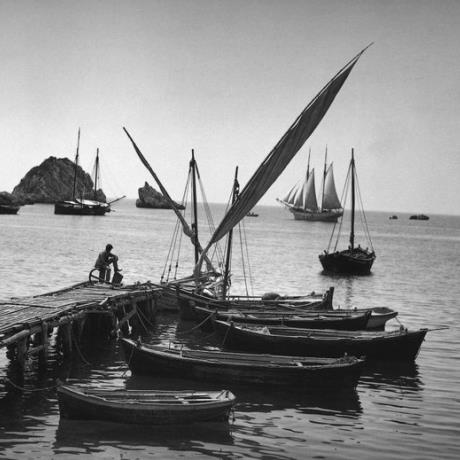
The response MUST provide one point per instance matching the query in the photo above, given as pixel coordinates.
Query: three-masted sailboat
(83, 206)
(355, 260)
(301, 199)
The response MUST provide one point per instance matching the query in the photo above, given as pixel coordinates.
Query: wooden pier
(83, 310)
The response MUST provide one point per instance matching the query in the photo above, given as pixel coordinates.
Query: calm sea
(410, 411)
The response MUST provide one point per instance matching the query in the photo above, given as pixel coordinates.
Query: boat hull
(390, 346)
(324, 216)
(9, 209)
(81, 405)
(237, 368)
(345, 263)
(331, 319)
(77, 209)
(186, 301)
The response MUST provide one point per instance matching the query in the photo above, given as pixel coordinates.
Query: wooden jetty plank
(28, 315)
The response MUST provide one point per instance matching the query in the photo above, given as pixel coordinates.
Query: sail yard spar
(283, 152)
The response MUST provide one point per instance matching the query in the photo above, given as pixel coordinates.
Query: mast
(76, 166)
(96, 173)
(195, 212)
(352, 230)
(324, 178)
(236, 190)
(308, 164)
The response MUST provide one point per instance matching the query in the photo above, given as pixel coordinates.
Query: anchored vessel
(354, 260)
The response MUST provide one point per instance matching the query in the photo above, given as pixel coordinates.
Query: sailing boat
(83, 206)
(301, 199)
(280, 156)
(354, 260)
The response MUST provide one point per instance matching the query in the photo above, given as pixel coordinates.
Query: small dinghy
(147, 407)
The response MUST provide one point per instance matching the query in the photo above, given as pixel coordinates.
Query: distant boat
(149, 407)
(9, 209)
(394, 217)
(252, 214)
(82, 206)
(354, 260)
(301, 199)
(419, 217)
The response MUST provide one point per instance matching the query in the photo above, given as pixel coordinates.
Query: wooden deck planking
(22, 313)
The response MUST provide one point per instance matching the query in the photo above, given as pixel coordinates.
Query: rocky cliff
(53, 181)
(150, 198)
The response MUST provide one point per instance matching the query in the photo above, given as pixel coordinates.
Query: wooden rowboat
(328, 319)
(399, 345)
(150, 407)
(242, 368)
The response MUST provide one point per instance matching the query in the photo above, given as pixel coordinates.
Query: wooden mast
(194, 204)
(324, 178)
(308, 164)
(236, 189)
(76, 166)
(352, 230)
(96, 173)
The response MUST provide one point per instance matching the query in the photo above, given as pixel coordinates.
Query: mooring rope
(18, 387)
(75, 342)
(128, 362)
(197, 326)
(225, 336)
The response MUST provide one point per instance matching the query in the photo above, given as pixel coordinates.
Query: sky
(227, 79)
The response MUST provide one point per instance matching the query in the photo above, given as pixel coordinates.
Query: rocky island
(52, 181)
(151, 198)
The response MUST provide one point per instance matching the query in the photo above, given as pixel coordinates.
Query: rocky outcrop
(150, 198)
(8, 199)
(53, 181)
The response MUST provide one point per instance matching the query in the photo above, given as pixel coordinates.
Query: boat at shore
(398, 345)
(9, 209)
(147, 407)
(308, 373)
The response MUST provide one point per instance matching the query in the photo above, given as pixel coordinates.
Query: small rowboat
(398, 345)
(242, 368)
(327, 319)
(150, 407)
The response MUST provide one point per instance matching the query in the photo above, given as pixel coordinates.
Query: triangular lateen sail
(277, 160)
(186, 228)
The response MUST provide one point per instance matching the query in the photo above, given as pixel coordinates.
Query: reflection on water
(73, 437)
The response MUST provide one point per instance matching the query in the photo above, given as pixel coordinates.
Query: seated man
(104, 259)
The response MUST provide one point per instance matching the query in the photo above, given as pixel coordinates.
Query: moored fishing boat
(242, 368)
(329, 319)
(150, 407)
(354, 260)
(398, 345)
(81, 206)
(9, 209)
(268, 171)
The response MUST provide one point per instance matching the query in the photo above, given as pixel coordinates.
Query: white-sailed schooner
(301, 199)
